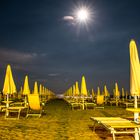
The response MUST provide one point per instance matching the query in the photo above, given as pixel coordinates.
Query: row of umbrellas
(74, 90)
(10, 87)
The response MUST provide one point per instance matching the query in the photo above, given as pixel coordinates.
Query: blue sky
(37, 41)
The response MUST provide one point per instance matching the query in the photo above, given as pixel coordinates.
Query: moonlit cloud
(53, 74)
(68, 18)
(18, 57)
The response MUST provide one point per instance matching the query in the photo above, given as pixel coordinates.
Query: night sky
(37, 40)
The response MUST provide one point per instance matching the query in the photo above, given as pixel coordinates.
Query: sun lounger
(117, 125)
(34, 109)
(2, 107)
(100, 101)
(127, 104)
(13, 109)
(16, 108)
(89, 105)
(76, 104)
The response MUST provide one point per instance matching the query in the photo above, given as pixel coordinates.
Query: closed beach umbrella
(35, 88)
(83, 87)
(83, 90)
(70, 91)
(26, 89)
(40, 89)
(134, 74)
(134, 70)
(20, 92)
(77, 89)
(106, 93)
(117, 93)
(43, 90)
(98, 91)
(9, 86)
(123, 94)
(73, 90)
(92, 92)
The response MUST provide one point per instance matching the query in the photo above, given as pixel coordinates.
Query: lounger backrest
(34, 101)
(100, 99)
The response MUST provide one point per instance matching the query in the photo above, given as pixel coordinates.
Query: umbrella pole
(7, 104)
(83, 103)
(136, 116)
(25, 100)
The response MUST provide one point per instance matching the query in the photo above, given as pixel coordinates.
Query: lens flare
(82, 15)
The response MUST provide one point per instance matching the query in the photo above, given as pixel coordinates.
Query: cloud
(53, 74)
(68, 18)
(25, 61)
(13, 56)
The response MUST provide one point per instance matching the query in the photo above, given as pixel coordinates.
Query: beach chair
(2, 107)
(100, 101)
(15, 108)
(117, 125)
(128, 104)
(90, 104)
(34, 109)
(76, 103)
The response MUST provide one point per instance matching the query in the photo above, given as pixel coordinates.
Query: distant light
(82, 15)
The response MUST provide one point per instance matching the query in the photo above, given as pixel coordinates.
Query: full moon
(82, 15)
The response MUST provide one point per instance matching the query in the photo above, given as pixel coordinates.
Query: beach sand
(59, 122)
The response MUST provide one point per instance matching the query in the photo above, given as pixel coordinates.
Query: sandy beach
(59, 122)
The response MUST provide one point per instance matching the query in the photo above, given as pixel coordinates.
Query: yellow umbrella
(126, 94)
(106, 93)
(123, 94)
(134, 70)
(35, 88)
(134, 74)
(26, 89)
(98, 91)
(20, 93)
(77, 89)
(40, 89)
(83, 90)
(83, 87)
(9, 84)
(73, 90)
(70, 91)
(21, 90)
(92, 92)
(117, 93)
(43, 90)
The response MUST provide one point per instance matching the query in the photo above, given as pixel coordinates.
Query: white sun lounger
(117, 125)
